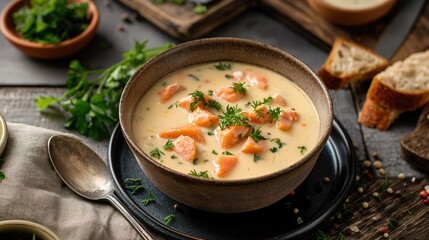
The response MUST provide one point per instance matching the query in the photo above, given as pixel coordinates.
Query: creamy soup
(355, 4)
(225, 121)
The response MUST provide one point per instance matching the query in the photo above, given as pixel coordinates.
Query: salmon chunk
(203, 117)
(279, 100)
(264, 115)
(250, 146)
(287, 118)
(169, 91)
(228, 94)
(257, 80)
(228, 137)
(186, 148)
(189, 130)
(224, 164)
(239, 76)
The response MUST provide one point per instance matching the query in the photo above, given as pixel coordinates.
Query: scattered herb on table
(169, 218)
(200, 9)
(2, 175)
(150, 198)
(201, 174)
(51, 21)
(132, 180)
(156, 153)
(133, 184)
(92, 96)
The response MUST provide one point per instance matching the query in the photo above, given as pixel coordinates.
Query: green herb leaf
(273, 149)
(302, 149)
(233, 116)
(2, 176)
(256, 135)
(168, 145)
(274, 114)
(279, 142)
(210, 133)
(223, 66)
(169, 218)
(214, 104)
(201, 174)
(226, 153)
(198, 98)
(92, 96)
(256, 158)
(156, 153)
(200, 9)
(51, 21)
(228, 76)
(238, 87)
(149, 199)
(173, 157)
(214, 152)
(132, 180)
(194, 77)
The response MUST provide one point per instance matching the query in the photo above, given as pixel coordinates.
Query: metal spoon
(86, 174)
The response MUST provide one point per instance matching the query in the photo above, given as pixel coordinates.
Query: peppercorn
(426, 201)
(424, 194)
(384, 230)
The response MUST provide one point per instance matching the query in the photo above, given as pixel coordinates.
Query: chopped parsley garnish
(267, 101)
(228, 76)
(168, 145)
(256, 158)
(194, 77)
(279, 142)
(233, 116)
(156, 153)
(194, 162)
(256, 135)
(199, 98)
(149, 199)
(238, 87)
(201, 174)
(274, 114)
(136, 187)
(210, 133)
(302, 149)
(214, 104)
(168, 219)
(173, 157)
(214, 152)
(210, 92)
(223, 66)
(226, 153)
(259, 113)
(273, 149)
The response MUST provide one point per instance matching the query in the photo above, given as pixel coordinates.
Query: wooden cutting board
(298, 14)
(181, 22)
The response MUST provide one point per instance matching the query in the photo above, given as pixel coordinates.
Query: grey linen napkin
(33, 191)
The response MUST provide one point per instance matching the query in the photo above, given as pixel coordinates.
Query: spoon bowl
(84, 172)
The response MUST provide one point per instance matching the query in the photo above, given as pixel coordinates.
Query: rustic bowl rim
(3, 133)
(380, 5)
(11, 35)
(324, 132)
(33, 226)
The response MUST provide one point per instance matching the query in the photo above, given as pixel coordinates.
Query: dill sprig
(274, 114)
(256, 135)
(168, 145)
(201, 174)
(238, 87)
(232, 117)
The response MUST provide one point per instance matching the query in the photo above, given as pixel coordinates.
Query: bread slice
(348, 62)
(402, 87)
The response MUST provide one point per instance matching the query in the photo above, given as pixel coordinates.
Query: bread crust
(375, 116)
(389, 98)
(333, 81)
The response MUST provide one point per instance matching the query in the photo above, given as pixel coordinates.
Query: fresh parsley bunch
(51, 21)
(92, 96)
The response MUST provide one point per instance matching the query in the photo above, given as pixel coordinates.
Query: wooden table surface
(23, 79)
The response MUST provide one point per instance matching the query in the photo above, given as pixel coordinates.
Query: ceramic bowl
(47, 51)
(224, 196)
(351, 16)
(3, 134)
(25, 227)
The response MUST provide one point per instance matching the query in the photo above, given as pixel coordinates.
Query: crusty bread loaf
(402, 87)
(348, 62)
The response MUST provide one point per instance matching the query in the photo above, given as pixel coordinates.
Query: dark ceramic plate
(315, 199)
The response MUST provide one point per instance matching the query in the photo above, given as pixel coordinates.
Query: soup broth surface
(284, 148)
(355, 4)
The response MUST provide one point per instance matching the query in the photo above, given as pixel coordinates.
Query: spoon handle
(139, 227)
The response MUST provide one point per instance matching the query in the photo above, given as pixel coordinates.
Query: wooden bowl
(47, 51)
(30, 228)
(226, 196)
(351, 16)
